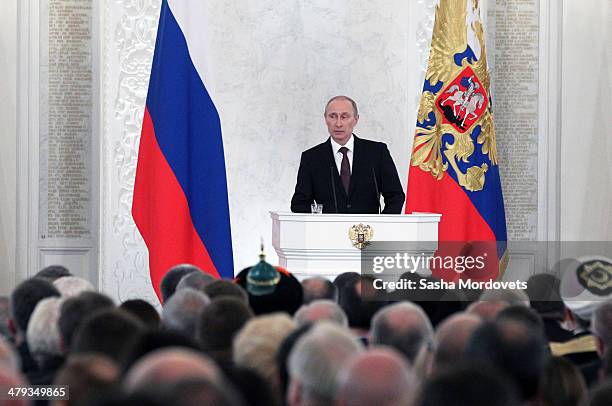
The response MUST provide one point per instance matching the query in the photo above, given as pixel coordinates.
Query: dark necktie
(345, 169)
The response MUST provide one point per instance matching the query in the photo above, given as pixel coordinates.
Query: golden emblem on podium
(360, 235)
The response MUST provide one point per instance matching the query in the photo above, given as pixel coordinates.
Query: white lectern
(319, 244)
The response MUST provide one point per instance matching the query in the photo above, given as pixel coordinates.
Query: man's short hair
(360, 301)
(26, 296)
(224, 287)
(256, 344)
(317, 358)
(219, 322)
(70, 286)
(316, 288)
(321, 310)
(182, 311)
(403, 326)
(88, 376)
(172, 278)
(106, 332)
(143, 311)
(43, 336)
(76, 309)
(53, 272)
(341, 97)
(463, 385)
(602, 323)
(515, 349)
(202, 391)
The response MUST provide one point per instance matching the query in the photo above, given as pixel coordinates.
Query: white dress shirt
(338, 155)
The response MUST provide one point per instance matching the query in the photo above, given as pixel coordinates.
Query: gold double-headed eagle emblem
(455, 101)
(360, 235)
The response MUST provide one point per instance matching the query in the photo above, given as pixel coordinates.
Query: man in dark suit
(347, 174)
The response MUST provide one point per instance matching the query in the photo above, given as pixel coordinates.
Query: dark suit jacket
(318, 177)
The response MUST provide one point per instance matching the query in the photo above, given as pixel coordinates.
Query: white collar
(350, 144)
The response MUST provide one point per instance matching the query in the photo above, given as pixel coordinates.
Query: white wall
(586, 139)
(8, 139)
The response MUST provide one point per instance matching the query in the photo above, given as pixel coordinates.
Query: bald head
(377, 377)
(451, 338)
(170, 365)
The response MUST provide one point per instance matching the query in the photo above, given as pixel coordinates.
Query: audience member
(315, 361)
(282, 356)
(256, 345)
(182, 311)
(601, 327)
(149, 341)
(76, 309)
(510, 296)
(4, 317)
(343, 278)
(106, 332)
(451, 339)
(143, 311)
(203, 392)
(562, 384)
(218, 324)
(24, 299)
(53, 272)
(474, 385)
(44, 341)
(403, 326)
(271, 289)
(170, 365)
(71, 286)
(513, 348)
(487, 311)
(360, 301)
(173, 277)
(317, 287)
(254, 389)
(320, 309)
(224, 287)
(601, 395)
(88, 376)
(196, 280)
(524, 315)
(378, 377)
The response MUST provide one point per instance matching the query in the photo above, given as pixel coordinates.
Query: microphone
(333, 187)
(377, 191)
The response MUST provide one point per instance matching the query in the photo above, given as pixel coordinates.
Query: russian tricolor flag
(180, 194)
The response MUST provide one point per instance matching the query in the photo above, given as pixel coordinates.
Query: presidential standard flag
(454, 166)
(180, 194)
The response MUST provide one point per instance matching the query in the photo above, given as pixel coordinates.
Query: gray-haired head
(316, 359)
(173, 277)
(71, 286)
(43, 335)
(403, 326)
(321, 310)
(182, 311)
(195, 280)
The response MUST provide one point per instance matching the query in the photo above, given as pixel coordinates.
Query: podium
(319, 244)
